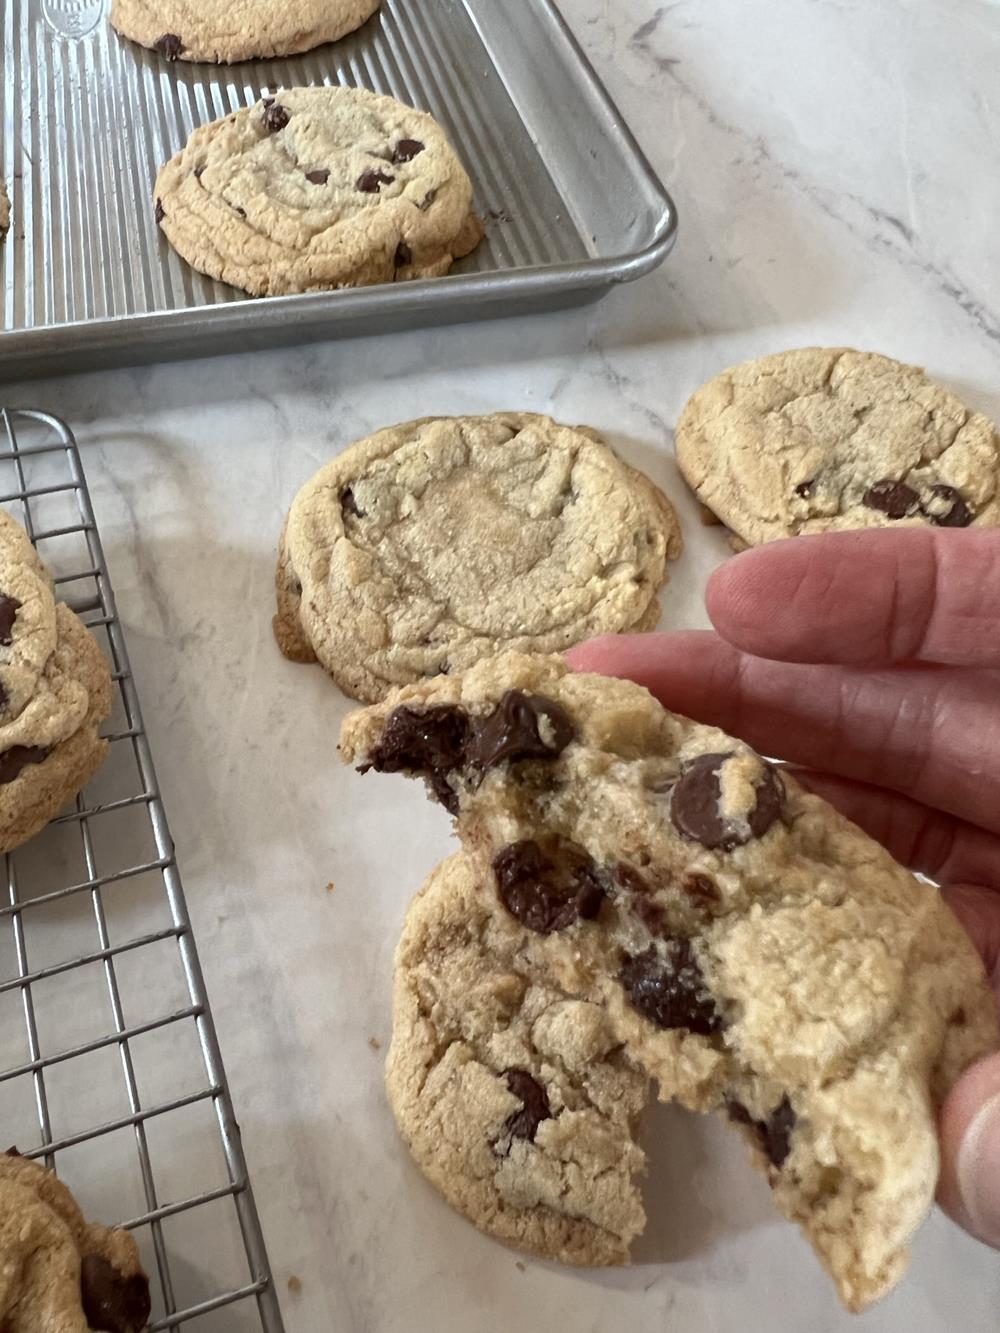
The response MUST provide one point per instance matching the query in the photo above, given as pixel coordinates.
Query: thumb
(969, 1188)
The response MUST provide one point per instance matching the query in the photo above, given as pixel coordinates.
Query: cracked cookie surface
(436, 542)
(58, 1272)
(318, 188)
(755, 952)
(515, 1100)
(823, 439)
(223, 31)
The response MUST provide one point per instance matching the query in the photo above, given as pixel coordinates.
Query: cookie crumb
(330, 887)
(521, 1268)
(294, 1285)
(374, 1043)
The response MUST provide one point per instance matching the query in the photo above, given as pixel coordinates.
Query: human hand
(871, 661)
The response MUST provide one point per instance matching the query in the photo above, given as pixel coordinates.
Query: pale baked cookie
(224, 31)
(754, 951)
(437, 542)
(316, 188)
(4, 211)
(59, 1273)
(516, 1101)
(52, 748)
(822, 439)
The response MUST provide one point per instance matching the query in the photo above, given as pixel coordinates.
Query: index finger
(865, 597)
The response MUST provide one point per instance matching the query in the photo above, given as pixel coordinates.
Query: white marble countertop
(836, 165)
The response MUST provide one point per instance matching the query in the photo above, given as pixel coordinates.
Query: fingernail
(978, 1171)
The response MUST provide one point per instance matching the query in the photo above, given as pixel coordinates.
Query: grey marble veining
(836, 164)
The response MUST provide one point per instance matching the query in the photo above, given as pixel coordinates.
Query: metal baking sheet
(571, 205)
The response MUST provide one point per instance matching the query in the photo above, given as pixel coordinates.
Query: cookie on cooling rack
(317, 188)
(55, 690)
(751, 949)
(826, 438)
(437, 542)
(515, 1100)
(223, 31)
(58, 1271)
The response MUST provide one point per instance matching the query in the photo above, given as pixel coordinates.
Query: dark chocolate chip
(403, 256)
(429, 741)
(159, 213)
(275, 116)
(18, 757)
(9, 607)
(169, 46)
(958, 516)
(12, 1151)
(702, 888)
(242, 211)
(524, 1124)
(111, 1301)
(773, 1134)
(547, 890)
(695, 804)
(805, 489)
(349, 505)
(893, 498)
(318, 177)
(522, 726)
(406, 150)
(666, 986)
(371, 182)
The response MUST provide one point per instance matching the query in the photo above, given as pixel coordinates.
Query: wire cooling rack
(110, 1068)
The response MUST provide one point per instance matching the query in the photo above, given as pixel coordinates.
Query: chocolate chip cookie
(440, 541)
(59, 1273)
(4, 211)
(516, 1100)
(316, 188)
(55, 690)
(224, 31)
(823, 439)
(754, 951)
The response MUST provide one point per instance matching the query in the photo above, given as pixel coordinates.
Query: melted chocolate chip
(696, 800)
(640, 902)
(668, 989)
(242, 211)
(348, 504)
(702, 888)
(805, 489)
(522, 726)
(18, 757)
(169, 46)
(773, 1134)
(524, 1124)
(547, 890)
(318, 177)
(9, 607)
(159, 213)
(406, 150)
(429, 741)
(12, 1151)
(371, 182)
(403, 256)
(893, 498)
(275, 116)
(112, 1302)
(958, 516)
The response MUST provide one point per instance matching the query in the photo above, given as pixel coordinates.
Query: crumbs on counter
(294, 1284)
(374, 1043)
(330, 887)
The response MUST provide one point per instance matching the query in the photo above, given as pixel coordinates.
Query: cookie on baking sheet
(55, 690)
(822, 439)
(516, 1101)
(223, 31)
(4, 210)
(317, 188)
(754, 951)
(434, 543)
(59, 1273)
